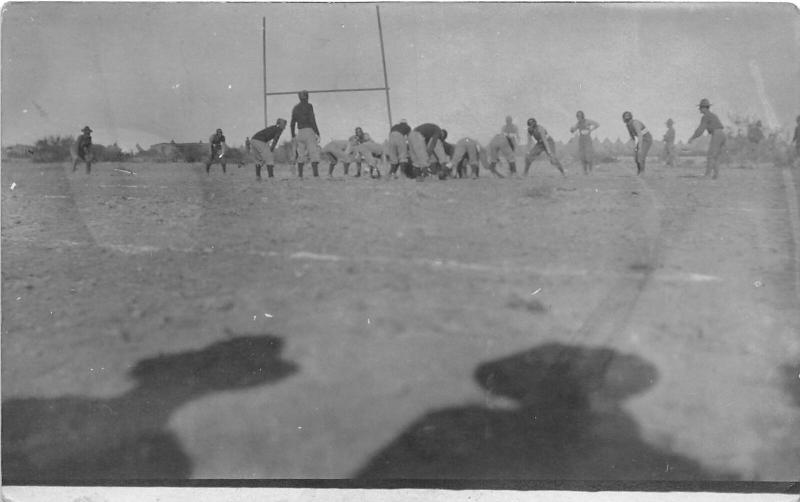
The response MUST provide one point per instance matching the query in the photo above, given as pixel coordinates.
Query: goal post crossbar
(385, 88)
(329, 90)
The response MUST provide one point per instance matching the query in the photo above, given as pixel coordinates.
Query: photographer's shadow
(565, 423)
(81, 439)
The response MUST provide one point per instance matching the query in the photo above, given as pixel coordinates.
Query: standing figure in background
(81, 150)
(218, 150)
(669, 145)
(511, 132)
(263, 146)
(543, 143)
(584, 128)
(711, 123)
(642, 139)
(755, 135)
(397, 150)
(307, 134)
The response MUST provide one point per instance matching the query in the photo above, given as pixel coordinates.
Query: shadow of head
(567, 374)
(791, 377)
(240, 362)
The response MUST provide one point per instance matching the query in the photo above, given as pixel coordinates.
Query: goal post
(385, 87)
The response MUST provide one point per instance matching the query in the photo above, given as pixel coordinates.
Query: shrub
(52, 149)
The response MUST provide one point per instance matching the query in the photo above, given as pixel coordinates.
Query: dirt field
(170, 324)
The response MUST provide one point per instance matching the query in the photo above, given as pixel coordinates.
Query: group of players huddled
(424, 150)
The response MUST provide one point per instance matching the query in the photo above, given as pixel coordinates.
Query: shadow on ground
(76, 438)
(791, 377)
(564, 420)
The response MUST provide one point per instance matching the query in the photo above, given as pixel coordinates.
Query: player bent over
(711, 123)
(218, 149)
(425, 146)
(543, 144)
(366, 149)
(81, 150)
(467, 152)
(339, 151)
(500, 148)
(642, 138)
(397, 148)
(262, 149)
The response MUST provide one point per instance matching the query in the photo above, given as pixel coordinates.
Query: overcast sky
(151, 72)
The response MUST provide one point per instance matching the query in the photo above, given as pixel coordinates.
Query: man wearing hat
(81, 150)
(307, 136)
(642, 138)
(218, 149)
(262, 148)
(711, 123)
(669, 144)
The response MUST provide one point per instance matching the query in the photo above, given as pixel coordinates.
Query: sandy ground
(170, 324)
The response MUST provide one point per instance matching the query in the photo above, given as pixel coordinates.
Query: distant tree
(52, 149)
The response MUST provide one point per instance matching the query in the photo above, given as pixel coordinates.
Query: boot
(223, 169)
(475, 172)
(358, 170)
(89, 168)
(527, 167)
(346, 168)
(330, 169)
(269, 170)
(512, 167)
(208, 168)
(315, 169)
(299, 169)
(258, 172)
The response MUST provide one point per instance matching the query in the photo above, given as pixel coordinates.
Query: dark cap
(704, 103)
(86, 129)
(626, 116)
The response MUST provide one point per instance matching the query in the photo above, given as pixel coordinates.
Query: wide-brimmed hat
(86, 129)
(704, 103)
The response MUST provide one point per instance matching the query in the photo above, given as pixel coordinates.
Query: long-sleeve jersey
(431, 133)
(636, 128)
(584, 126)
(84, 142)
(271, 133)
(709, 122)
(402, 128)
(303, 117)
(538, 133)
(216, 140)
(669, 136)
